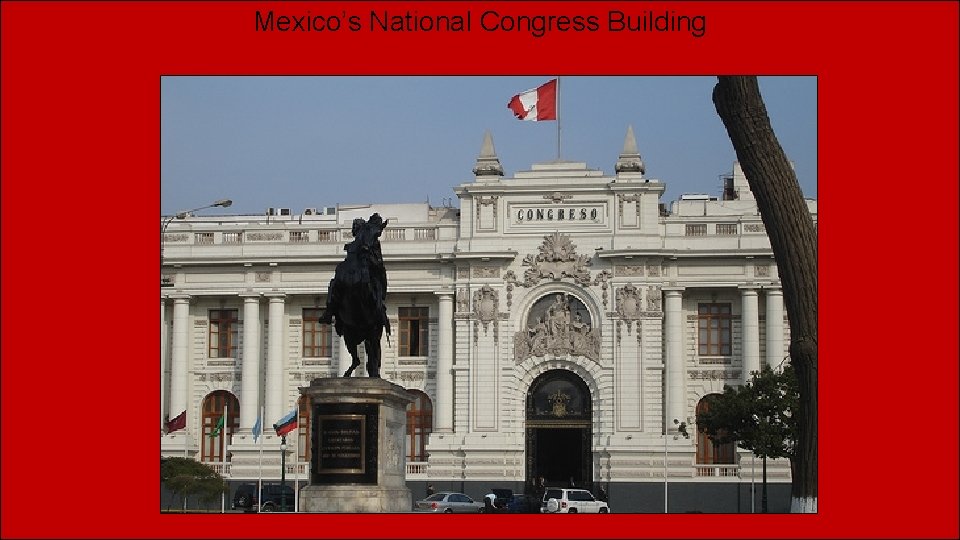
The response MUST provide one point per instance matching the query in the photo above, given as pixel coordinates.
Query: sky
(312, 142)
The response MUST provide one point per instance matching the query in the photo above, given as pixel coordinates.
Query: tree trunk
(794, 242)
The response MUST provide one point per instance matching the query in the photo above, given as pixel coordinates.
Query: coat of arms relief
(557, 259)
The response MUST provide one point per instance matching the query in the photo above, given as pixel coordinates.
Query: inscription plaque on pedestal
(345, 443)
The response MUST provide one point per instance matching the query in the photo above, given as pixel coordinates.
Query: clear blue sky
(299, 142)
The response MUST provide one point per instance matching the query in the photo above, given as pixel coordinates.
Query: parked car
(571, 501)
(521, 503)
(246, 498)
(446, 502)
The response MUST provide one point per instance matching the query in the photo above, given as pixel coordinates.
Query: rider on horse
(363, 264)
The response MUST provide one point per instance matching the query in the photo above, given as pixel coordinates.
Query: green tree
(759, 416)
(187, 477)
(793, 239)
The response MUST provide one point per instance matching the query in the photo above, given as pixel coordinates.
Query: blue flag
(257, 429)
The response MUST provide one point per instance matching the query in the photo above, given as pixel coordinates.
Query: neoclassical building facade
(560, 323)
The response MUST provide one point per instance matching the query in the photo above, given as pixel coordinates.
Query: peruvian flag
(537, 103)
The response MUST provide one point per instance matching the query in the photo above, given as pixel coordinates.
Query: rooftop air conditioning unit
(310, 212)
(284, 211)
(271, 211)
(330, 210)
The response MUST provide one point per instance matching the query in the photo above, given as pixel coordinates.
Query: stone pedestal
(358, 429)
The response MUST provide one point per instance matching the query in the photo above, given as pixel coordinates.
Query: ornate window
(212, 447)
(414, 336)
(316, 336)
(224, 333)
(419, 426)
(714, 329)
(708, 451)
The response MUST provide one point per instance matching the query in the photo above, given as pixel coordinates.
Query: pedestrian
(572, 483)
(488, 499)
(602, 494)
(430, 489)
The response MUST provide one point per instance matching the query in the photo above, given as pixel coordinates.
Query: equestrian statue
(356, 296)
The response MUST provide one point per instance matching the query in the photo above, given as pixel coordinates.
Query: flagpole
(226, 423)
(296, 471)
(558, 118)
(260, 473)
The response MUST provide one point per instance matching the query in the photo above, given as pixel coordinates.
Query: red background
(80, 201)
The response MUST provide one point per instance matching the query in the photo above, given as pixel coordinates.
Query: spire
(488, 164)
(629, 160)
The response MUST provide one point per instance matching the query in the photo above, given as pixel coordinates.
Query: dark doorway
(560, 455)
(558, 430)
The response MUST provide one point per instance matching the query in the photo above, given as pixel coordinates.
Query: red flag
(537, 103)
(177, 423)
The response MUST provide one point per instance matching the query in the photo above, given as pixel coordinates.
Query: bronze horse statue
(356, 296)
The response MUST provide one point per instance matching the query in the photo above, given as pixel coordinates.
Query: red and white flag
(537, 103)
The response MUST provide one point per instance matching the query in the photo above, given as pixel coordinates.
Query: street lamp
(681, 430)
(283, 472)
(222, 203)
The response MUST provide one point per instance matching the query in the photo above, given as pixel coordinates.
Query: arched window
(214, 441)
(708, 451)
(419, 426)
(303, 431)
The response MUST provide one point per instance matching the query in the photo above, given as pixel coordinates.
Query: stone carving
(601, 280)
(754, 228)
(557, 197)
(629, 269)
(463, 301)
(653, 269)
(558, 333)
(511, 279)
(463, 272)
(486, 305)
(761, 270)
(653, 299)
(629, 300)
(486, 272)
(557, 259)
(262, 277)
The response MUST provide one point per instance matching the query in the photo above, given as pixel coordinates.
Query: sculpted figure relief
(558, 332)
(356, 296)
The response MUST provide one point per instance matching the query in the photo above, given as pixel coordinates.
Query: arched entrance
(558, 430)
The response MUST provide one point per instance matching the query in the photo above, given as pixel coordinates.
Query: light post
(681, 430)
(222, 203)
(764, 444)
(283, 472)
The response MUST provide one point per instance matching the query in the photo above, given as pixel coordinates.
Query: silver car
(447, 502)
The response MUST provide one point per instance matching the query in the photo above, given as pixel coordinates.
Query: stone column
(250, 384)
(444, 406)
(775, 351)
(751, 332)
(276, 405)
(178, 367)
(673, 362)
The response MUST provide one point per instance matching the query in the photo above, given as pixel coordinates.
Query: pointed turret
(629, 161)
(488, 164)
